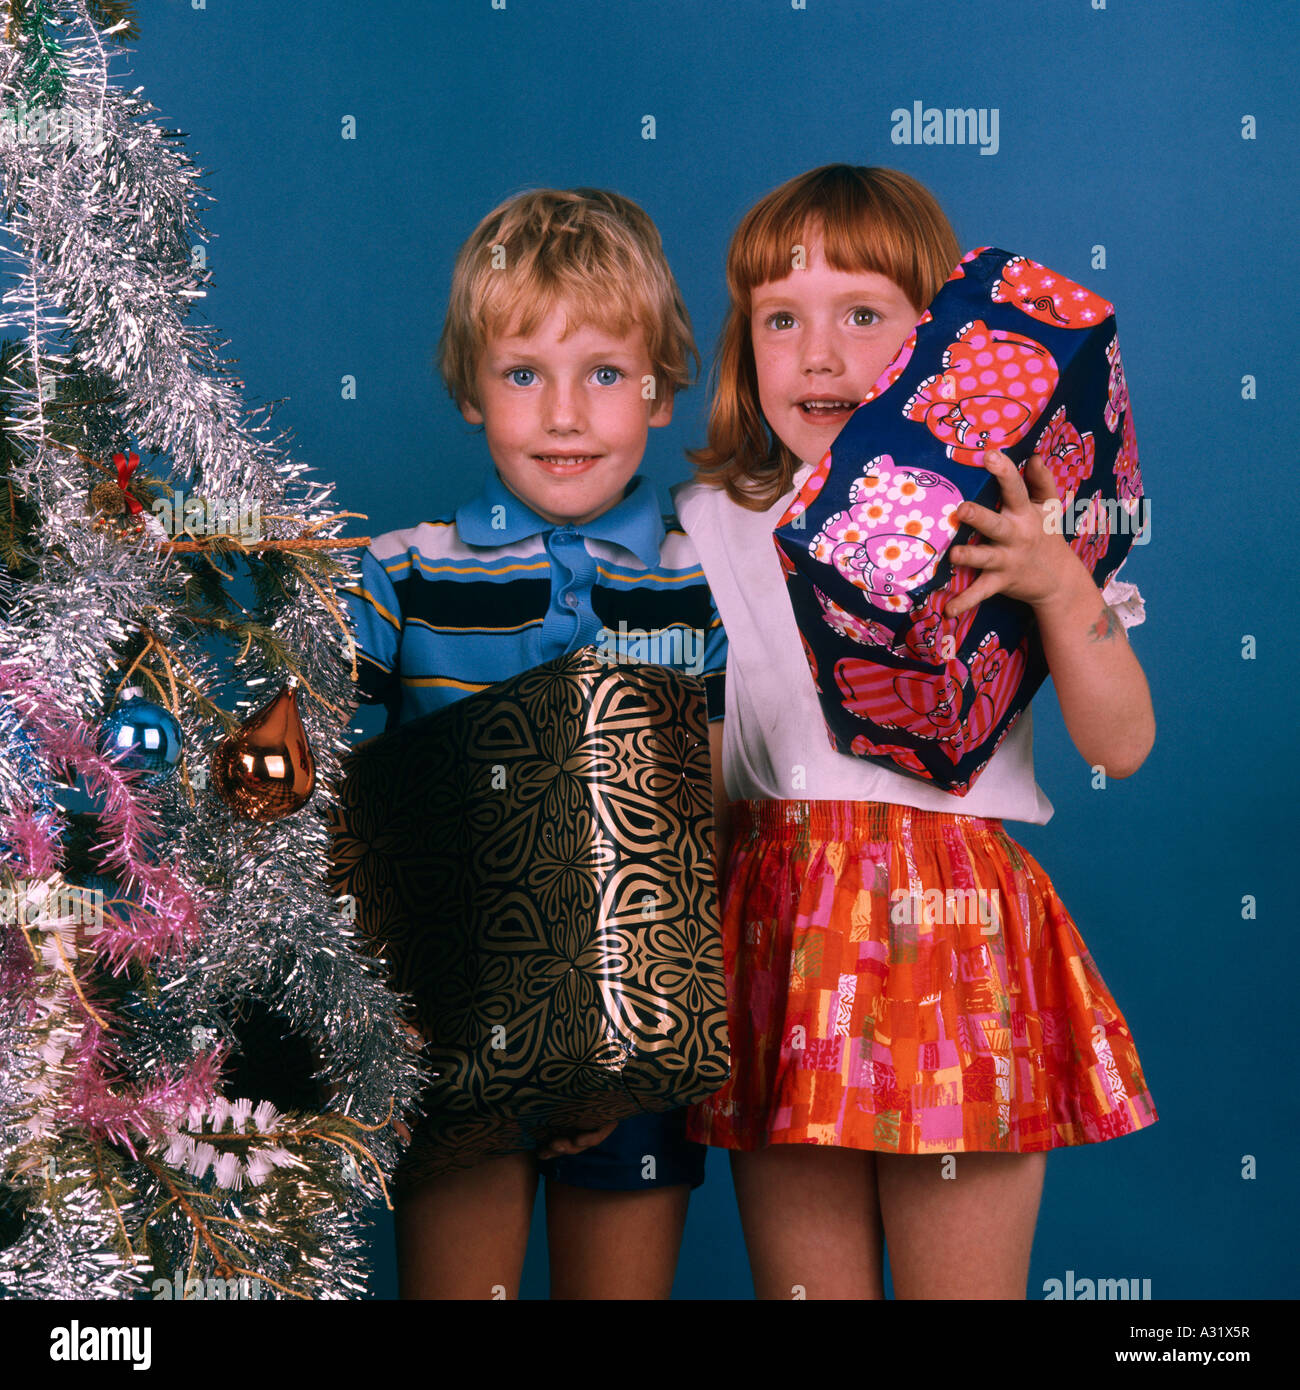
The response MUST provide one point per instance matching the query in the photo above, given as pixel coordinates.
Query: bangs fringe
(518, 304)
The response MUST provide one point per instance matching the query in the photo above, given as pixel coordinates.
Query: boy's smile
(564, 416)
(821, 339)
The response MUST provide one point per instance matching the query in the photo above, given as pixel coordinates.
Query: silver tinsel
(103, 284)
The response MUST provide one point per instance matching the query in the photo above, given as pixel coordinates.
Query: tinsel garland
(122, 1159)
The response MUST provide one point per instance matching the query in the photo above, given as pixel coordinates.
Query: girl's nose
(819, 351)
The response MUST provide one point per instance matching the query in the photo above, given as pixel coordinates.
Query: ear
(662, 413)
(471, 412)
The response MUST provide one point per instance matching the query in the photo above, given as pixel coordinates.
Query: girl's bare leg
(967, 1236)
(614, 1244)
(811, 1220)
(464, 1235)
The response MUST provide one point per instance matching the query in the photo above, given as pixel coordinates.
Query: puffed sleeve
(1124, 601)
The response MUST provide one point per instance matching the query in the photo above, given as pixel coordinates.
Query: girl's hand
(1022, 558)
(575, 1143)
(1099, 682)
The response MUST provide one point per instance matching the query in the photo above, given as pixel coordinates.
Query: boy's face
(821, 338)
(564, 416)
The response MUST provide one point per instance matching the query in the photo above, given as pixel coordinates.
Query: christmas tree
(199, 1073)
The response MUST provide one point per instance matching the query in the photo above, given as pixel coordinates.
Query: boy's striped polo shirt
(450, 607)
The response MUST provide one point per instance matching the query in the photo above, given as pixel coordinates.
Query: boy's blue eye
(607, 376)
(515, 373)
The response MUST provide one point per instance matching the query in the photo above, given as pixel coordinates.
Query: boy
(566, 338)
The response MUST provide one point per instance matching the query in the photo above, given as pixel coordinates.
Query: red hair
(869, 219)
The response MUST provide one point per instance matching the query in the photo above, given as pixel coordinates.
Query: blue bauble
(150, 735)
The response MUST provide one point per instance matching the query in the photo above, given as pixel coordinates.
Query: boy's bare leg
(614, 1244)
(811, 1221)
(967, 1236)
(464, 1235)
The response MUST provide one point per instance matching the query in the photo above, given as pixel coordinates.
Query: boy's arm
(375, 614)
(375, 617)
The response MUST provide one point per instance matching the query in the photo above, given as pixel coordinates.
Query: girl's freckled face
(821, 339)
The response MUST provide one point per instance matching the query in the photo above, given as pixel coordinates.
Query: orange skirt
(909, 982)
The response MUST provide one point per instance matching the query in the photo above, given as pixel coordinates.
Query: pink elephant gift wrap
(1009, 356)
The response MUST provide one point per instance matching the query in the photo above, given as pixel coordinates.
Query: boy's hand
(1021, 559)
(575, 1143)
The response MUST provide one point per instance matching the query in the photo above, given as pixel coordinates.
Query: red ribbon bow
(125, 467)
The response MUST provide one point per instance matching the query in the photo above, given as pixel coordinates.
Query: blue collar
(635, 523)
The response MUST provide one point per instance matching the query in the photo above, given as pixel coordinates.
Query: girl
(867, 1052)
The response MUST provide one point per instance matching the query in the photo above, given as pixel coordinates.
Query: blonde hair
(869, 219)
(594, 251)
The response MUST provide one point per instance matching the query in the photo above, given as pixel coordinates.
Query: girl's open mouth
(827, 410)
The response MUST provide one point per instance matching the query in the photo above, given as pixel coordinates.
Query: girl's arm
(1104, 696)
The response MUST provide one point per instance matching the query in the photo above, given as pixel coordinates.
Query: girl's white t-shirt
(775, 746)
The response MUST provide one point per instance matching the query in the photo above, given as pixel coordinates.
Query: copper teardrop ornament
(266, 770)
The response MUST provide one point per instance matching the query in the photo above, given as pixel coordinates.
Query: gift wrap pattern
(1009, 356)
(535, 864)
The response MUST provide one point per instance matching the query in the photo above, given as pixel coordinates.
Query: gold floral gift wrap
(535, 864)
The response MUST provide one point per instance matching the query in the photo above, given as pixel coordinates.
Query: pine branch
(210, 915)
(107, 14)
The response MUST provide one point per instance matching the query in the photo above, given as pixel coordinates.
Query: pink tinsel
(31, 846)
(164, 918)
(159, 920)
(113, 1114)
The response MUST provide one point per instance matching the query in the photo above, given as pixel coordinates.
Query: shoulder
(711, 519)
(398, 552)
(437, 547)
(692, 502)
(678, 553)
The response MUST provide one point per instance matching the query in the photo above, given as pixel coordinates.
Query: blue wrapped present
(1009, 356)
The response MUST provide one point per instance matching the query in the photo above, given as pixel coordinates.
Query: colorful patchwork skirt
(909, 982)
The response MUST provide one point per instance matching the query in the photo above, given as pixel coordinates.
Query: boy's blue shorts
(643, 1151)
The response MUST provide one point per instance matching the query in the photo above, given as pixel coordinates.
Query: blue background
(1120, 127)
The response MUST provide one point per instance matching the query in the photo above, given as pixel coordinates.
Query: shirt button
(571, 600)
